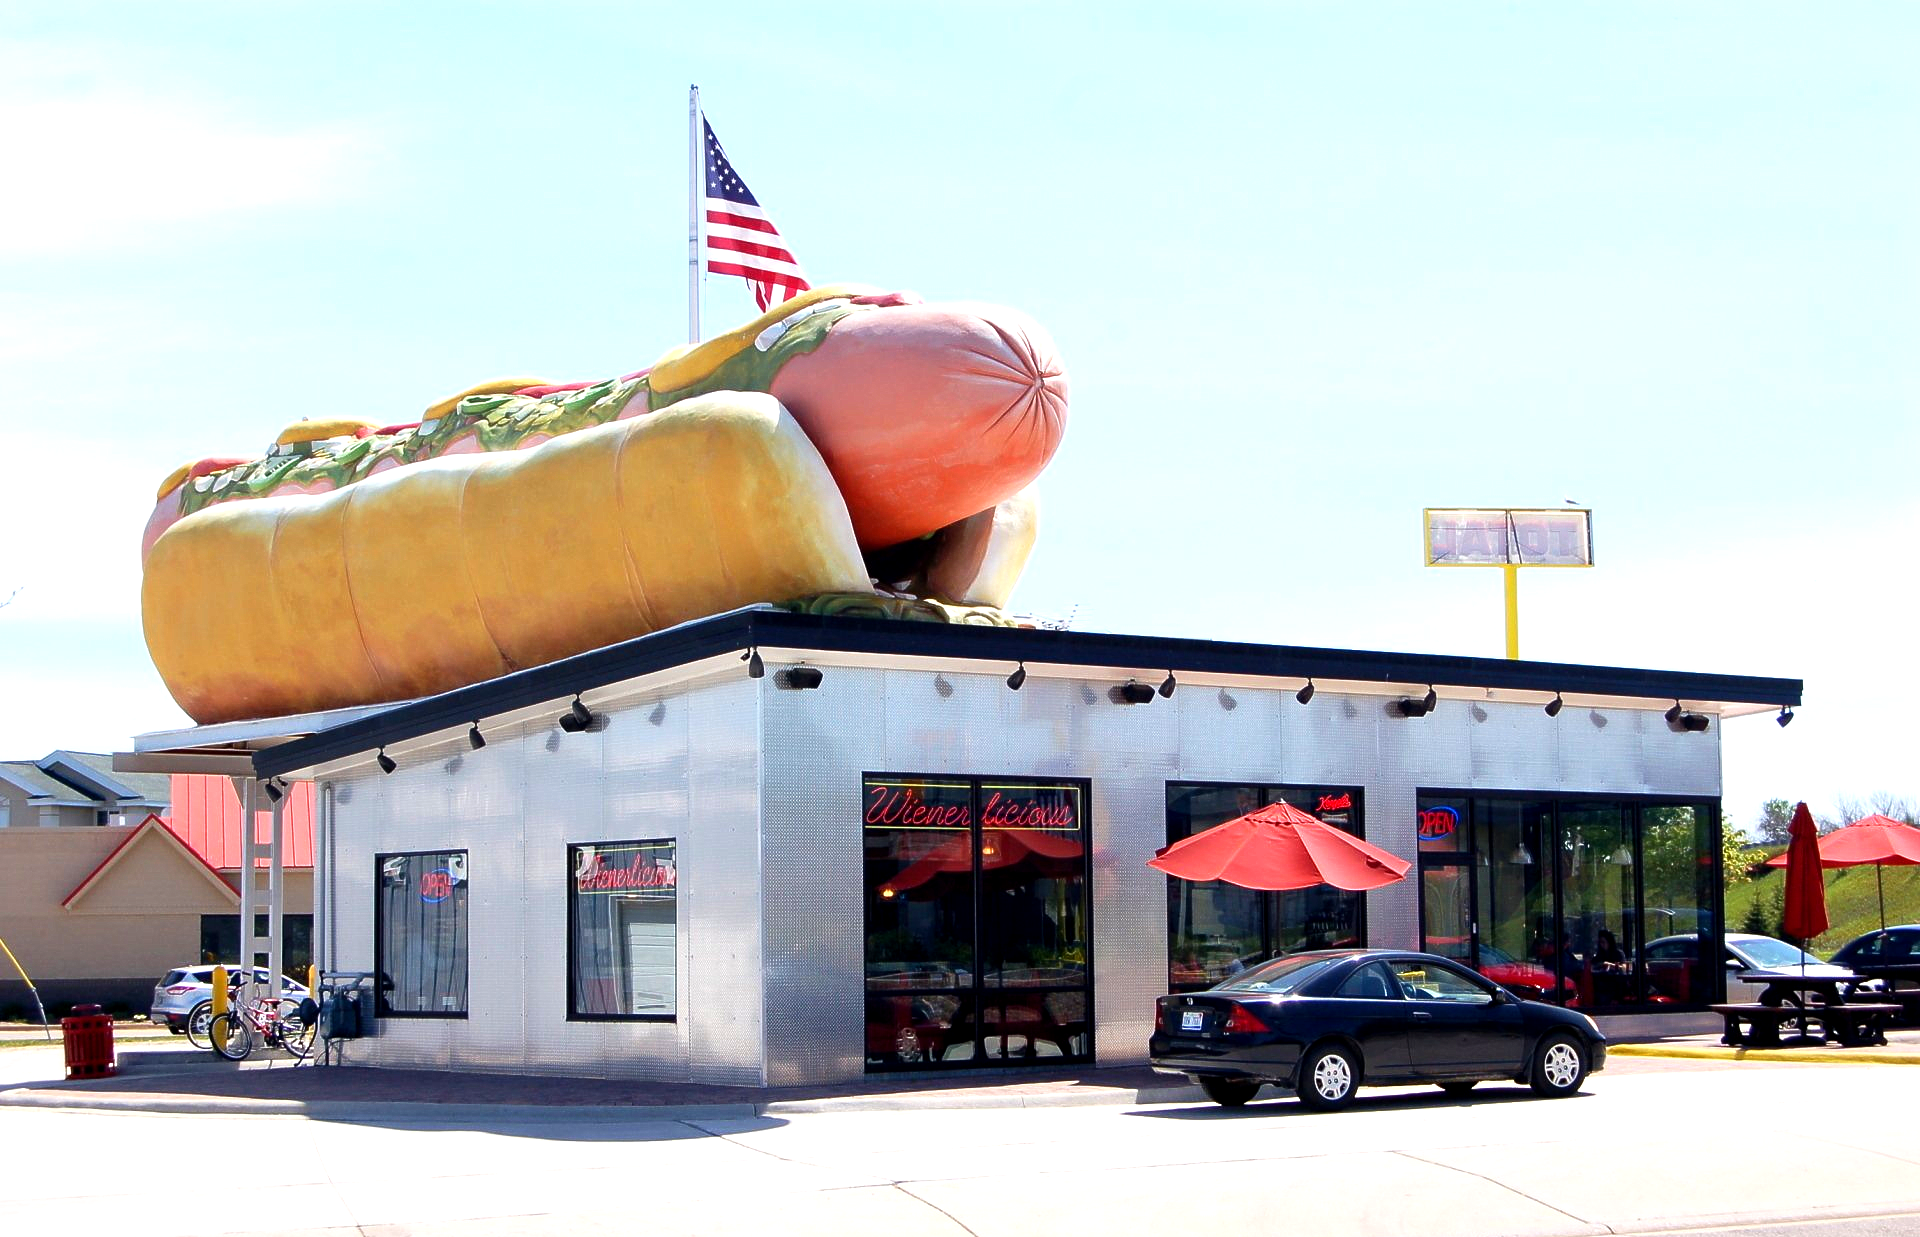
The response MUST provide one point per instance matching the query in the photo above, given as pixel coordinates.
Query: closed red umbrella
(1873, 839)
(1280, 847)
(1805, 916)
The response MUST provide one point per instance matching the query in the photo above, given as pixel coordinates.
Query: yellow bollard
(313, 982)
(219, 991)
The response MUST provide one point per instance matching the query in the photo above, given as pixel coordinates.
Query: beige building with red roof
(109, 880)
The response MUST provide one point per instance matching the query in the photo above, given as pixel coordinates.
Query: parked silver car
(183, 999)
(1745, 952)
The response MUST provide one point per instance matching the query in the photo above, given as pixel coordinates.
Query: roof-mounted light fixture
(1410, 707)
(577, 717)
(1673, 714)
(755, 667)
(475, 739)
(799, 678)
(1166, 686)
(1132, 692)
(1554, 705)
(1786, 717)
(386, 762)
(1018, 678)
(1306, 693)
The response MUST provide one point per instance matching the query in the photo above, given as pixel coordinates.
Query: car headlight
(1588, 1019)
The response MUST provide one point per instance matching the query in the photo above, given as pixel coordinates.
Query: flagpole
(693, 215)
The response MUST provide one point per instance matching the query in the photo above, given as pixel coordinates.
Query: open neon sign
(1437, 823)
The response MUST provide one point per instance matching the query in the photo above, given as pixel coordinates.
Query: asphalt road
(1765, 1150)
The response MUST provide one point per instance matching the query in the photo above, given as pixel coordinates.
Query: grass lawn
(1852, 906)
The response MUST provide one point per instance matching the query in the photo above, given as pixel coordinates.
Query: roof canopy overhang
(317, 743)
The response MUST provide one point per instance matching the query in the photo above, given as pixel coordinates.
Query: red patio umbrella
(1280, 847)
(1874, 839)
(1805, 915)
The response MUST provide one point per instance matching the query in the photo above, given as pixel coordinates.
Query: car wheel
(1228, 1092)
(1559, 1067)
(1328, 1078)
(1459, 1090)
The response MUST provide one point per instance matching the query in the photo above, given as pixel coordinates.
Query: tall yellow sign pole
(1512, 572)
(1509, 538)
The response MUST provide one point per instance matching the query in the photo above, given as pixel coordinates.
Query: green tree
(1756, 920)
(1776, 818)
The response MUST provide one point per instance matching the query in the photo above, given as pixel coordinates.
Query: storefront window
(621, 958)
(1601, 904)
(220, 940)
(1678, 880)
(976, 921)
(1216, 929)
(420, 933)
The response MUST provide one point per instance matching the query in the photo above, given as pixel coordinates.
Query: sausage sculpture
(849, 442)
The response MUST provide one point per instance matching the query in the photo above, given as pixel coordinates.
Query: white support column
(249, 852)
(322, 826)
(276, 897)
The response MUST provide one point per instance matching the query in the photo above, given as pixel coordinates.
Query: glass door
(977, 928)
(1446, 909)
(1033, 925)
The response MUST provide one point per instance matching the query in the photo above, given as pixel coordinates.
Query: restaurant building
(768, 849)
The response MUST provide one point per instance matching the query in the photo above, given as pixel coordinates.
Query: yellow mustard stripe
(690, 363)
(174, 481)
(493, 386)
(319, 431)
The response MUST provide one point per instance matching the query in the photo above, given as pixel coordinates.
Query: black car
(1888, 954)
(1321, 1024)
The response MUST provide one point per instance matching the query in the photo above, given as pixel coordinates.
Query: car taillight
(1243, 1022)
(1163, 1012)
(179, 989)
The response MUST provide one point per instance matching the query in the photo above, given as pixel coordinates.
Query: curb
(469, 1114)
(1800, 1056)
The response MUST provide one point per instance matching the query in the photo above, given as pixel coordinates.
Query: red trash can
(88, 1035)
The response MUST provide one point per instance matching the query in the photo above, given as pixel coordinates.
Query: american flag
(741, 240)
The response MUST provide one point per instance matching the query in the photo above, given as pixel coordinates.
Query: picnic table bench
(1853, 1024)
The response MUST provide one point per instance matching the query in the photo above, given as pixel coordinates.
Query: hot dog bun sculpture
(848, 449)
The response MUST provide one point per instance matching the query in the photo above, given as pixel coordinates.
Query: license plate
(1192, 1019)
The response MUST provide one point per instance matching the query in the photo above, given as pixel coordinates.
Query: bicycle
(277, 1023)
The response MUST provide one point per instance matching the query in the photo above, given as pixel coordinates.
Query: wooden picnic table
(1792, 996)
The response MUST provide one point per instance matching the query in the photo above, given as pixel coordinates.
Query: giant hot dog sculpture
(846, 443)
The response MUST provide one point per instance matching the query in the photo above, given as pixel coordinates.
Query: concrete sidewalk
(167, 1076)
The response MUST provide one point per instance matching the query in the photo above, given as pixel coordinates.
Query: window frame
(573, 932)
(1269, 918)
(382, 1006)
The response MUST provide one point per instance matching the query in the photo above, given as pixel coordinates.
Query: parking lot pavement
(1642, 1150)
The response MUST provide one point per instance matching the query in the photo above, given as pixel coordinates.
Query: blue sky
(1312, 268)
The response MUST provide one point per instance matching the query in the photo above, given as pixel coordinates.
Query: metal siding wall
(722, 890)
(744, 774)
(515, 806)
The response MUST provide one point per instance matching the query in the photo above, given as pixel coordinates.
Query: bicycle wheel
(296, 1035)
(197, 1020)
(232, 1037)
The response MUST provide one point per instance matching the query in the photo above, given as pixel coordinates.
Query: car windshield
(1280, 975)
(1771, 953)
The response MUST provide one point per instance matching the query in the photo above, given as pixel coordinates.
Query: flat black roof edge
(741, 629)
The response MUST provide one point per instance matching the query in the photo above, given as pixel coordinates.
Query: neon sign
(1437, 823)
(949, 805)
(646, 867)
(1335, 803)
(436, 886)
